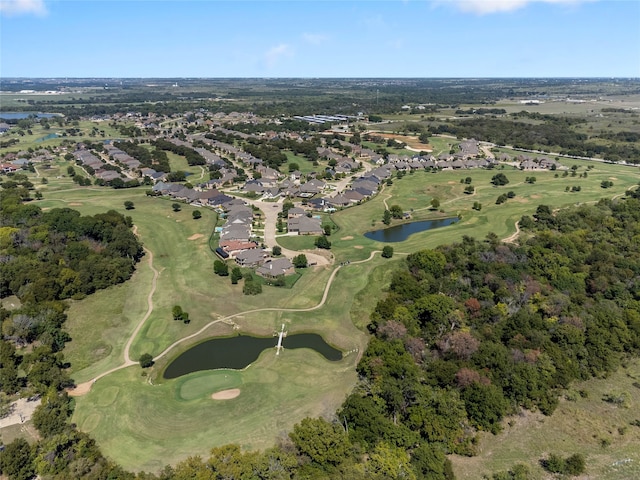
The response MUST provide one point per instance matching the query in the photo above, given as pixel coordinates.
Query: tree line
(550, 133)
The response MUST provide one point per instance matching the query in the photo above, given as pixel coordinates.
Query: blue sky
(320, 38)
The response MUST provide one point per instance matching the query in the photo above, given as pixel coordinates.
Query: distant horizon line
(6, 78)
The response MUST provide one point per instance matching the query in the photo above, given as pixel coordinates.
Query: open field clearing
(599, 430)
(410, 140)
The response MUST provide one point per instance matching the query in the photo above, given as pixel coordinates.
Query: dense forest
(46, 257)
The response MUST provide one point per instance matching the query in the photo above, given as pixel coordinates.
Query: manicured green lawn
(196, 174)
(304, 165)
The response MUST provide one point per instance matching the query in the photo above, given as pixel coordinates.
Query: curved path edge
(85, 387)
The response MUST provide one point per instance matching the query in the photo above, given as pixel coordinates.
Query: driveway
(270, 215)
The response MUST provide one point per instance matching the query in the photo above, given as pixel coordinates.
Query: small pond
(400, 233)
(47, 137)
(239, 352)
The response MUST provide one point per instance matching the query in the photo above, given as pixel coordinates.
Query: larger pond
(400, 233)
(239, 352)
(22, 115)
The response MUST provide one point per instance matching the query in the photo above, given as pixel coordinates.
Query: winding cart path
(84, 388)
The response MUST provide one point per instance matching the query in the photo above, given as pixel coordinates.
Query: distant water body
(22, 115)
(400, 233)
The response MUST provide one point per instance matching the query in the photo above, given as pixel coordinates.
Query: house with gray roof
(312, 187)
(252, 257)
(296, 212)
(339, 201)
(353, 196)
(304, 225)
(275, 267)
(255, 186)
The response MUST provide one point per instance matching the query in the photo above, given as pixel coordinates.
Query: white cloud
(23, 7)
(314, 38)
(274, 54)
(492, 6)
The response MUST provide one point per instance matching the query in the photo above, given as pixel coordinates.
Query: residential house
(296, 212)
(353, 196)
(233, 247)
(256, 186)
(312, 187)
(275, 267)
(251, 258)
(304, 225)
(8, 168)
(339, 201)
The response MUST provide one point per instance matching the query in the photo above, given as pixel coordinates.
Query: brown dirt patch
(75, 204)
(359, 247)
(536, 196)
(226, 394)
(348, 237)
(195, 236)
(81, 389)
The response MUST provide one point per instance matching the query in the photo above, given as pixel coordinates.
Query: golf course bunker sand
(226, 394)
(359, 247)
(75, 204)
(81, 389)
(195, 236)
(348, 237)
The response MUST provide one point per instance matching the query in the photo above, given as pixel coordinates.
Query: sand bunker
(226, 394)
(81, 389)
(195, 236)
(359, 247)
(75, 204)
(348, 237)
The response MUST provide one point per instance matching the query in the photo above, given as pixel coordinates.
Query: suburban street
(270, 211)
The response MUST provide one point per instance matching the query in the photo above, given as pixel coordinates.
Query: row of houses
(211, 197)
(236, 242)
(88, 159)
(121, 157)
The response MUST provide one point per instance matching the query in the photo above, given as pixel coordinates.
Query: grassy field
(145, 426)
(601, 431)
(131, 415)
(415, 191)
(305, 166)
(38, 139)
